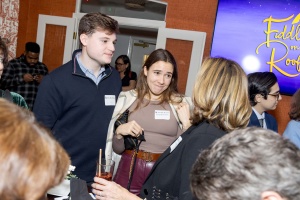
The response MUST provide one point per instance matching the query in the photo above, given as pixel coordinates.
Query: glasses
(275, 95)
(119, 64)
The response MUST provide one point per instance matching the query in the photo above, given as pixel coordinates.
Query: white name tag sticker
(110, 100)
(162, 114)
(175, 144)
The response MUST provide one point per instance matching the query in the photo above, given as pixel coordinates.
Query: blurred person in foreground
(6, 94)
(24, 74)
(292, 131)
(248, 164)
(31, 160)
(216, 113)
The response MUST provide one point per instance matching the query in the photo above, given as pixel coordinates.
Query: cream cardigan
(125, 100)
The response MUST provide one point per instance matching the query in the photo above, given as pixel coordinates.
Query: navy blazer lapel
(270, 124)
(254, 120)
(167, 152)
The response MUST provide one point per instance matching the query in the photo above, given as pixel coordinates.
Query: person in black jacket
(76, 100)
(221, 103)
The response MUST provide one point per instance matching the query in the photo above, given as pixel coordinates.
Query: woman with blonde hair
(31, 161)
(221, 103)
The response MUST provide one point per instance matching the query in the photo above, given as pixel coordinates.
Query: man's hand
(38, 78)
(28, 78)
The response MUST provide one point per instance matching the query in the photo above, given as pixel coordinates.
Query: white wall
(125, 45)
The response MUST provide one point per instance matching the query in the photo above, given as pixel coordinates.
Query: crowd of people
(165, 145)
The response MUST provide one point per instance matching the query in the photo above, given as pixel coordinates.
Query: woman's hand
(103, 189)
(183, 112)
(130, 128)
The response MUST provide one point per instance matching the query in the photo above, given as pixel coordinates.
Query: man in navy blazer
(264, 94)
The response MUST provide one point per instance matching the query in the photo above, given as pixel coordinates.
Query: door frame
(198, 39)
(68, 22)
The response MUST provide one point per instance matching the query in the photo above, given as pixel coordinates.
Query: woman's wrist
(118, 135)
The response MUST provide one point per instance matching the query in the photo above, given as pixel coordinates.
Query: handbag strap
(133, 161)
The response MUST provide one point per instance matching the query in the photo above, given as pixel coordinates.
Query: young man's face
(31, 57)
(100, 46)
(272, 99)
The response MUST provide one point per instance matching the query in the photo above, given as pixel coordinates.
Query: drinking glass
(105, 169)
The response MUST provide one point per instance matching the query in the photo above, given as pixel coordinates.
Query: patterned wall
(9, 22)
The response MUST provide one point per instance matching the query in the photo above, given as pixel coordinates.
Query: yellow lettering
(269, 31)
(273, 62)
(294, 63)
(294, 47)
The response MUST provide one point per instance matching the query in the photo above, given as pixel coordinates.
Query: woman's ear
(270, 195)
(145, 71)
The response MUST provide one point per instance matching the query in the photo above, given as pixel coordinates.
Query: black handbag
(130, 142)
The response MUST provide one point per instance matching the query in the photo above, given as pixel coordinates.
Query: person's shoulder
(129, 93)
(16, 61)
(253, 118)
(133, 75)
(271, 117)
(18, 99)
(178, 98)
(62, 70)
(205, 128)
(293, 123)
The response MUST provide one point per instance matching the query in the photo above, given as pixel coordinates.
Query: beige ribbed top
(159, 133)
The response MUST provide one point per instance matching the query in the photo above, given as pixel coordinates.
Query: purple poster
(261, 35)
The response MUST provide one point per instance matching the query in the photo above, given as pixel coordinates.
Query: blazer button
(145, 191)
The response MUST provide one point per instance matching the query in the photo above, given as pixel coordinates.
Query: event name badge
(162, 114)
(175, 144)
(110, 100)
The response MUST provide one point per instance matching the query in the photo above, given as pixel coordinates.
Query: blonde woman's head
(220, 94)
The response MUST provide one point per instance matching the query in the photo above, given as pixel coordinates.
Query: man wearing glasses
(264, 94)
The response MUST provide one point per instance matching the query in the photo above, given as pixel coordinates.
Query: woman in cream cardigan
(155, 108)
